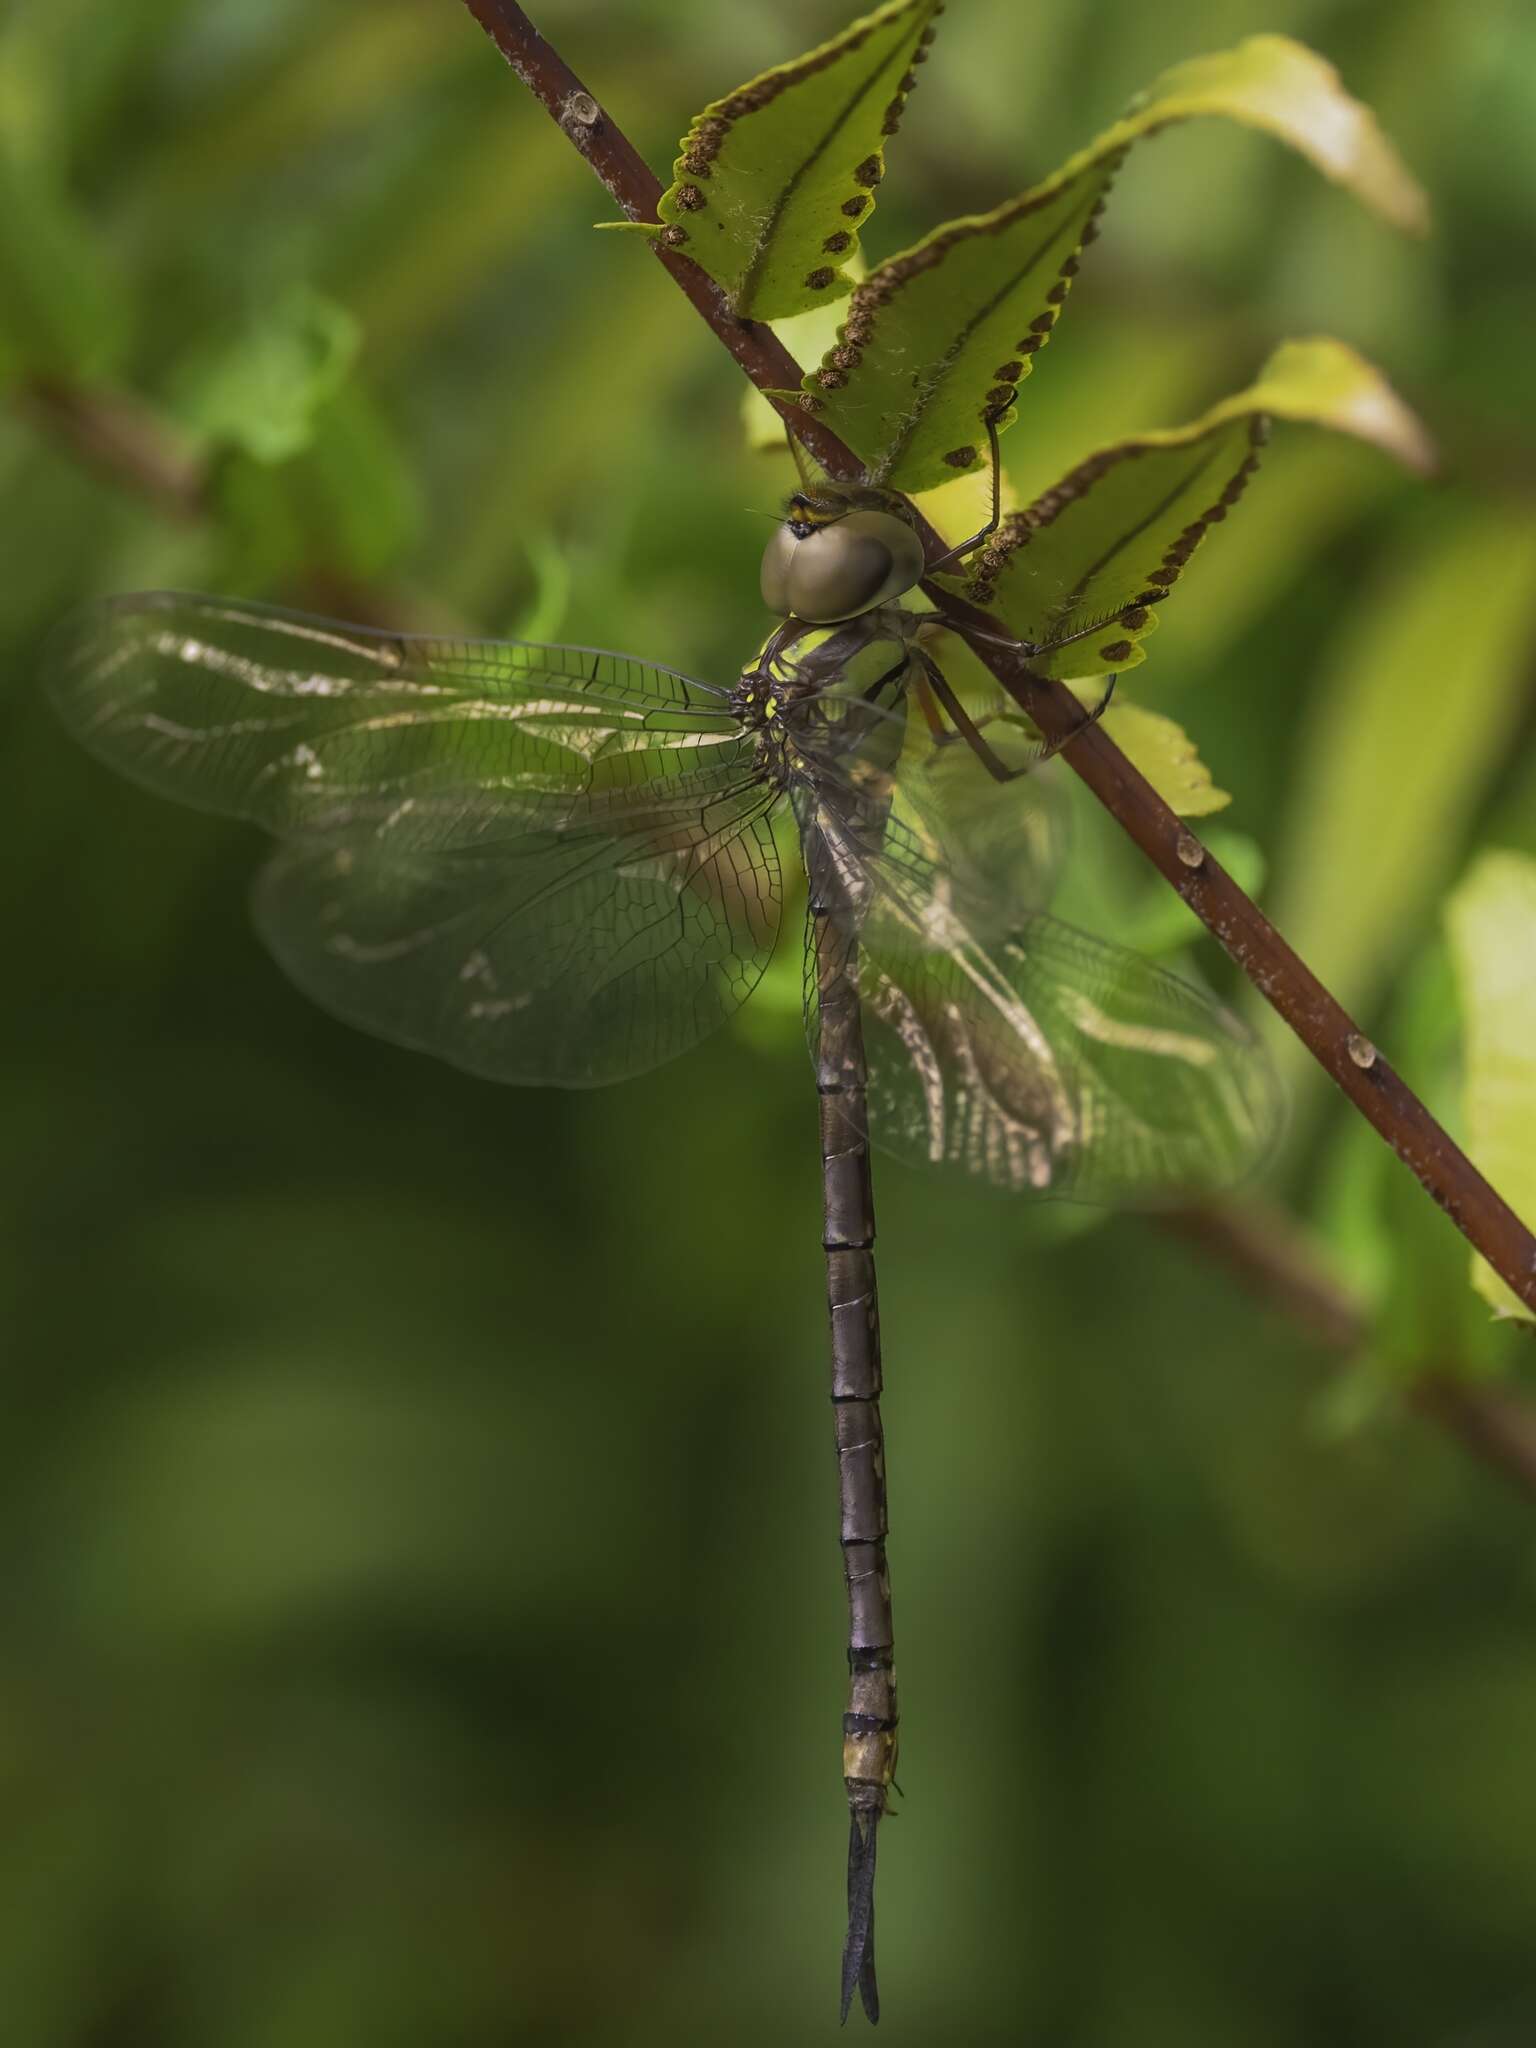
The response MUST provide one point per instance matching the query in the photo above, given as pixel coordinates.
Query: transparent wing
(1004, 842)
(299, 723)
(571, 956)
(546, 864)
(1036, 1057)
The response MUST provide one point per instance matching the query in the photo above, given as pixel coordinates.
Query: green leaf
(1410, 719)
(939, 337)
(1081, 570)
(1167, 756)
(775, 180)
(60, 313)
(345, 505)
(263, 391)
(805, 335)
(1492, 924)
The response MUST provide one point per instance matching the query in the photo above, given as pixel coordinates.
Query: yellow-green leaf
(1078, 573)
(806, 336)
(1492, 921)
(775, 180)
(939, 337)
(1167, 756)
(1411, 716)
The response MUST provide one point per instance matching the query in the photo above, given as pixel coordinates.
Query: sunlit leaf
(807, 336)
(775, 180)
(939, 337)
(1492, 922)
(1412, 715)
(262, 392)
(1162, 751)
(1080, 572)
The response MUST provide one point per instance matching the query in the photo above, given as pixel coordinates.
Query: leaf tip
(1308, 103)
(1319, 378)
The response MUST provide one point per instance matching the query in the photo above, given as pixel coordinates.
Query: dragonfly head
(841, 551)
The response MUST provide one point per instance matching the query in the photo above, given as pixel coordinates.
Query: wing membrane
(1038, 1058)
(546, 864)
(300, 723)
(571, 957)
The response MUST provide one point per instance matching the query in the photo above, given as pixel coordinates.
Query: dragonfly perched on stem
(558, 865)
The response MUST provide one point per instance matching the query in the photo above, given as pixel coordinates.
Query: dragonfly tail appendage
(859, 1948)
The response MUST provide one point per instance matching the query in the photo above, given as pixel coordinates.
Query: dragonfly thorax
(840, 552)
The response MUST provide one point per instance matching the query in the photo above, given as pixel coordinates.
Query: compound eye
(838, 574)
(841, 569)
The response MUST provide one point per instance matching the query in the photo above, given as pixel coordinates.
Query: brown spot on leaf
(689, 198)
(846, 358)
(1134, 617)
(834, 245)
(1001, 395)
(818, 280)
(1042, 323)
(960, 458)
(1056, 294)
(870, 172)
(855, 206)
(1008, 373)
(1030, 343)
(831, 380)
(1164, 576)
(1117, 650)
(674, 237)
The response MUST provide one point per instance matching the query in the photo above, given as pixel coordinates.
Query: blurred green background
(422, 1608)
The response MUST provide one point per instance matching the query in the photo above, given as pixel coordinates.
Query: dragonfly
(559, 866)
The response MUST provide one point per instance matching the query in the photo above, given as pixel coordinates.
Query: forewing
(546, 864)
(1043, 1060)
(302, 724)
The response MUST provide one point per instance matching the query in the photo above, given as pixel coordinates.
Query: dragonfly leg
(1051, 747)
(897, 669)
(966, 727)
(963, 548)
(797, 456)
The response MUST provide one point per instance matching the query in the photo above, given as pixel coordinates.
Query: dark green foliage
(364, 1421)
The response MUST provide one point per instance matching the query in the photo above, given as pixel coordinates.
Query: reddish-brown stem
(1477, 1210)
(1276, 1260)
(118, 436)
